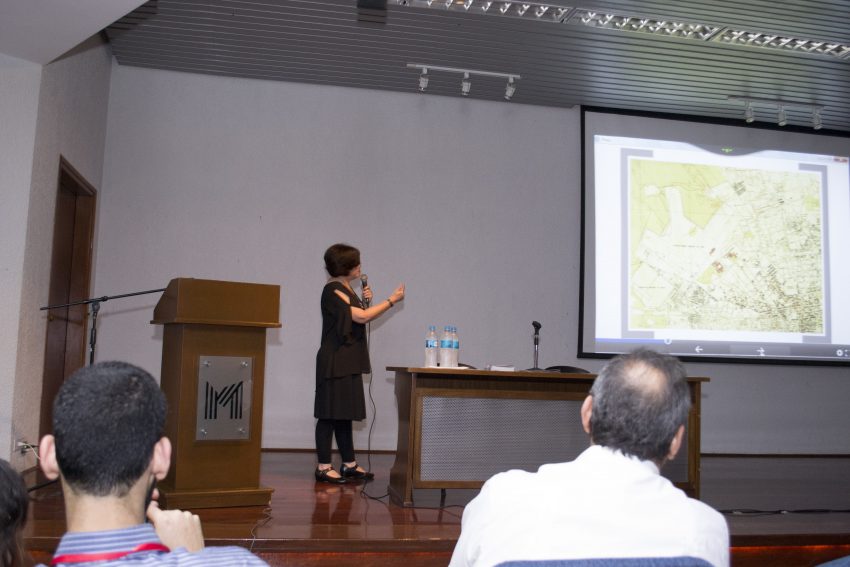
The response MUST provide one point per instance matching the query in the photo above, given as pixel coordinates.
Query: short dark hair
(640, 400)
(106, 420)
(340, 259)
(13, 515)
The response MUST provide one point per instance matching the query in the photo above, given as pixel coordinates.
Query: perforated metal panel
(471, 439)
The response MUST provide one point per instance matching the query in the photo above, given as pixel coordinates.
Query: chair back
(683, 561)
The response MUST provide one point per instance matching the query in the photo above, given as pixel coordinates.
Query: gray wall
(19, 85)
(71, 96)
(475, 205)
(467, 202)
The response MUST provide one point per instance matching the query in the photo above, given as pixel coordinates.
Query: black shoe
(351, 473)
(323, 476)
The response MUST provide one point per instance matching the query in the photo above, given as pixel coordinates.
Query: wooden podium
(213, 361)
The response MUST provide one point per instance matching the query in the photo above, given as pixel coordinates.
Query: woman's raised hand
(398, 294)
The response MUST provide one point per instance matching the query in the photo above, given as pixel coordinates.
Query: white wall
(475, 205)
(774, 409)
(19, 85)
(71, 122)
(469, 203)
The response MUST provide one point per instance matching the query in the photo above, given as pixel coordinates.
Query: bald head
(640, 400)
(640, 375)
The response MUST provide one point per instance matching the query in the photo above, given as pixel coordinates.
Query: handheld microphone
(364, 283)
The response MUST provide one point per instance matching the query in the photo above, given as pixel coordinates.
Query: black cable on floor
(374, 415)
(363, 492)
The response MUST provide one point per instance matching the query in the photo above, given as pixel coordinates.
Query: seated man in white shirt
(611, 501)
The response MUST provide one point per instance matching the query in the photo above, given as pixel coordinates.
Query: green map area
(720, 248)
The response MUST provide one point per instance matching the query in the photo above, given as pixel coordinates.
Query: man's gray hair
(639, 401)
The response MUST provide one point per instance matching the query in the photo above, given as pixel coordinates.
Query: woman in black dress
(342, 360)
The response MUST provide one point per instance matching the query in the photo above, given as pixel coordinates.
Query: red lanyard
(106, 556)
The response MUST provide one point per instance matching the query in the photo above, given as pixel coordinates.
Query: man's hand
(177, 528)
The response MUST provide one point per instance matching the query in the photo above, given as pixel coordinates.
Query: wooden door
(70, 276)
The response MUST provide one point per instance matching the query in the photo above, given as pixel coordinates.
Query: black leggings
(325, 431)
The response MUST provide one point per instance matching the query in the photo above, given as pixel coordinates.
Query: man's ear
(161, 459)
(47, 457)
(676, 443)
(586, 412)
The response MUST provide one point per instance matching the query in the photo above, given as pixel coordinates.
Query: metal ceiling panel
(561, 64)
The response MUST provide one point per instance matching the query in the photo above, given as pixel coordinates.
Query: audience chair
(613, 562)
(840, 562)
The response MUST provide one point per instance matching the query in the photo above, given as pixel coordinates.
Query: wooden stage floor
(313, 524)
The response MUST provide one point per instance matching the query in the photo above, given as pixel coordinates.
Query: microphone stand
(536, 326)
(95, 307)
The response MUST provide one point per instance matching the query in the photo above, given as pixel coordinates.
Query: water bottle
(446, 347)
(455, 347)
(431, 347)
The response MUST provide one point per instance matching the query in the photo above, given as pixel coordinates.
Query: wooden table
(458, 427)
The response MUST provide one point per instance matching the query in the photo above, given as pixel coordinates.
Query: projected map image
(722, 248)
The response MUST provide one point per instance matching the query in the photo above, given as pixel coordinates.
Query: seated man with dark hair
(611, 501)
(108, 449)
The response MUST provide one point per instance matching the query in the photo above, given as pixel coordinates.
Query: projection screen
(714, 241)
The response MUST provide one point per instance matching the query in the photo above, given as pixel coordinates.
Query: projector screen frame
(587, 264)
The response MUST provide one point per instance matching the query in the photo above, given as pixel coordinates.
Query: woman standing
(342, 360)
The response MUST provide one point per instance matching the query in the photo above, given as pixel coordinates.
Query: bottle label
(430, 343)
(456, 344)
(446, 343)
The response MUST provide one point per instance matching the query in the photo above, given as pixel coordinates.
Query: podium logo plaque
(224, 398)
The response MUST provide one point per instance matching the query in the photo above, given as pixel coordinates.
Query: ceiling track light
(782, 43)
(537, 11)
(781, 116)
(466, 80)
(780, 106)
(668, 27)
(465, 85)
(510, 88)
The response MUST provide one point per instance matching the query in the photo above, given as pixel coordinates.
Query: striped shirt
(129, 539)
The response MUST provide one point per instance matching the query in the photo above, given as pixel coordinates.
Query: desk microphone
(536, 326)
(364, 283)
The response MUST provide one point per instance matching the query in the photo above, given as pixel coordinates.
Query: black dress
(342, 359)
